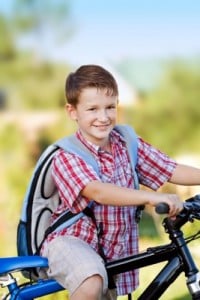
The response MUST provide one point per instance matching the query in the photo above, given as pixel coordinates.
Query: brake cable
(193, 237)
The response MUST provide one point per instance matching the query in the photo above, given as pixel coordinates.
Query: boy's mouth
(105, 126)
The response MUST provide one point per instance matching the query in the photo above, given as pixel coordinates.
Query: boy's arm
(185, 175)
(110, 194)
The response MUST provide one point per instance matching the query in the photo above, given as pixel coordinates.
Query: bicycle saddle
(18, 263)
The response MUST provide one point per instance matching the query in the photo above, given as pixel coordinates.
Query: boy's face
(96, 115)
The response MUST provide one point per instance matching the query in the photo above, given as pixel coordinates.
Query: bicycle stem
(176, 236)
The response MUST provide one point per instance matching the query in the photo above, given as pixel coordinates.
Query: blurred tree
(7, 45)
(40, 22)
(30, 79)
(34, 23)
(169, 115)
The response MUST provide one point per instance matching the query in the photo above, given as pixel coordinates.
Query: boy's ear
(71, 110)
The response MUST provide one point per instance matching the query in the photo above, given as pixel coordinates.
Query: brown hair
(88, 76)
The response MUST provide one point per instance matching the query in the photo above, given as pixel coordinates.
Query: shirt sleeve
(71, 174)
(154, 167)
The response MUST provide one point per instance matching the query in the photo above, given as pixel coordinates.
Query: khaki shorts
(71, 261)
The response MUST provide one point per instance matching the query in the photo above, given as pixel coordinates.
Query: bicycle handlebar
(190, 206)
(190, 212)
(162, 208)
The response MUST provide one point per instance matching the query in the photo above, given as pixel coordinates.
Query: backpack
(41, 197)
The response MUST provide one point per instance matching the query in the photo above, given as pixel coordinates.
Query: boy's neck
(106, 147)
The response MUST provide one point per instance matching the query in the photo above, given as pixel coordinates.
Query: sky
(113, 30)
(108, 32)
(118, 29)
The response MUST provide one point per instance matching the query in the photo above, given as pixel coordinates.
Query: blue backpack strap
(73, 145)
(131, 139)
(132, 146)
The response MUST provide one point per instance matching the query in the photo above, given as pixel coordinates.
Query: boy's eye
(94, 108)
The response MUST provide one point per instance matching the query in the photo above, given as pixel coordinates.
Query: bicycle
(176, 253)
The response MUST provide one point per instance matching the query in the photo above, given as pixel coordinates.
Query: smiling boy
(77, 254)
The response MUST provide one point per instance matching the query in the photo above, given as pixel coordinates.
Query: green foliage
(53, 132)
(169, 116)
(31, 84)
(14, 175)
(32, 16)
(148, 227)
(28, 78)
(7, 46)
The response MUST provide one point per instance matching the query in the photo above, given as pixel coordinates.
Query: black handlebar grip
(162, 208)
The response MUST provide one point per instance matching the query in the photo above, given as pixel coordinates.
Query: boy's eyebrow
(91, 106)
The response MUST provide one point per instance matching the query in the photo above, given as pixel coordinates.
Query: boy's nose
(103, 115)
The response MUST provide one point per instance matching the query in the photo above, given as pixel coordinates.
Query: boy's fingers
(175, 208)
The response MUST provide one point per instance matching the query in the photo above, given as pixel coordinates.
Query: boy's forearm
(110, 194)
(185, 175)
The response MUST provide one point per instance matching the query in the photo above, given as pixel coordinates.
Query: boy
(76, 254)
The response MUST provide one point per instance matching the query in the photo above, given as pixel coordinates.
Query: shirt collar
(92, 147)
(115, 138)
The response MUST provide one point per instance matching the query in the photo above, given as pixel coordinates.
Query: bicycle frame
(178, 257)
(176, 254)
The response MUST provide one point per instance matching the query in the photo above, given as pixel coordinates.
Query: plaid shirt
(119, 236)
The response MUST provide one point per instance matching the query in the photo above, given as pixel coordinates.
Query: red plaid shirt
(119, 230)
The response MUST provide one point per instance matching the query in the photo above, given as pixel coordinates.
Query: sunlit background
(152, 47)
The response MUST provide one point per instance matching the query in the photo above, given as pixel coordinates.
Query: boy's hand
(173, 200)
